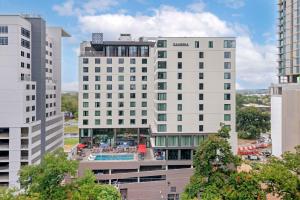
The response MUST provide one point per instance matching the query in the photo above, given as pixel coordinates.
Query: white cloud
(197, 6)
(86, 7)
(70, 87)
(256, 63)
(65, 9)
(235, 4)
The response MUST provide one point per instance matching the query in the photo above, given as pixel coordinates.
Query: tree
(215, 176)
(45, 181)
(69, 103)
(281, 176)
(251, 122)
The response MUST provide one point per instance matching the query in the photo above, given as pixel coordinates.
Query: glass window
(85, 95)
(161, 117)
(121, 78)
(179, 128)
(85, 69)
(108, 60)
(227, 107)
(132, 69)
(179, 54)
(109, 87)
(227, 75)
(132, 104)
(97, 69)
(161, 86)
(197, 44)
(179, 86)
(201, 65)
(161, 64)
(227, 54)
(201, 128)
(97, 60)
(229, 43)
(186, 141)
(97, 78)
(121, 60)
(97, 113)
(144, 112)
(201, 54)
(227, 96)
(109, 69)
(162, 54)
(85, 122)
(132, 112)
(201, 117)
(210, 44)
(227, 86)
(161, 106)
(144, 69)
(162, 43)
(179, 96)
(162, 75)
(179, 75)
(201, 96)
(227, 117)
(179, 107)
(179, 65)
(201, 86)
(132, 60)
(201, 75)
(108, 78)
(121, 69)
(85, 78)
(85, 104)
(97, 121)
(144, 61)
(201, 107)
(161, 128)
(109, 121)
(172, 141)
(85, 60)
(227, 65)
(160, 141)
(179, 117)
(162, 96)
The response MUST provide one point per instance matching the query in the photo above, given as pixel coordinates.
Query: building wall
(276, 125)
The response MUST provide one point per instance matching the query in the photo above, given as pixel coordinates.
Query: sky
(252, 22)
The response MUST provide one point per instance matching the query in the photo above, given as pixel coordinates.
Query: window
(3, 29)
(227, 86)
(85, 95)
(108, 78)
(179, 86)
(144, 86)
(109, 69)
(132, 95)
(160, 141)
(97, 60)
(22, 52)
(227, 97)
(132, 112)
(162, 54)
(121, 104)
(132, 69)
(85, 69)
(97, 121)
(97, 69)
(179, 117)
(85, 122)
(161, 106)
(161, 128)
(3, 40)
(108, 104)
(97, 87)
(161, 64)
(121, 60)
(132, 61)
(197, 45)
(144, 95)
(227, 75)
(201, 107)
(161, 86)
(179, 75)
(144, 69)
(144, 61)
(97, 113)
(121, 95)
(201, 86)
(132, 104)
(85, 78)
(109, 113)
(132, 121)
(144, 112)
(201, 117)
(227, 65)
(121, 69)
(201, 128)
(179, 65)
(161, 117)
(162, 43)
(85, 87)
(179, 54)
(229, 43)
(201, 75)
(201, 65)
(85, 113)
(97, 104)
(121, 78)
(162, 75)
(121, 113)
(144, 121)
(144, 78)
(121, 87)
(172, 141)
(108, 60)
(109, 121)
(201, 54)
(132, 87)
(179, 97)
(179, 107)
(97, 78)
(25, 32)
(120, 121)
(162, 96)
(179, 128)
(227, 117)
(227, 54)
(210, 44)
(109, 87)
(227, 107)
(85, 60)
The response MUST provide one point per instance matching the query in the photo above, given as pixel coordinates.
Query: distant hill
(253, 91)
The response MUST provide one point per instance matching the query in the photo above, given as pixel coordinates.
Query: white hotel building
(31, 122)
(166, 92)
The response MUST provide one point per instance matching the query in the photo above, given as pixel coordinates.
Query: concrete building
(31, 122)
(168, 93)
(285, 101)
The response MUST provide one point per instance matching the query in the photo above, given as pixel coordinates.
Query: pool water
(114, 157)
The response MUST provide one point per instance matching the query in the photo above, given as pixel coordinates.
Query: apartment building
(31, 122)
(167, 93)
(285, 126)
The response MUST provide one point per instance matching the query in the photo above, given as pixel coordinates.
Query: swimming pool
(128, 156)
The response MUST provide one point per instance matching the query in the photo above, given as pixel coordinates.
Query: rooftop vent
(125, 37)
(97, 38)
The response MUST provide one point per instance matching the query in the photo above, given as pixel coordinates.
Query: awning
(142, 148)
(80, 146)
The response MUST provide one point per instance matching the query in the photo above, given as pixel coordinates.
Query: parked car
(253, 157)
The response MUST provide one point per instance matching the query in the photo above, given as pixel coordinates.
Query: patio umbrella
(104, 145)
(142, 148)
(80, 146)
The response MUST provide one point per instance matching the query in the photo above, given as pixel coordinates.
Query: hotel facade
(168, 93)
(31, 122)
(285, 118)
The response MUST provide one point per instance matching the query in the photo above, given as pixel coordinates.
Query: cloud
(87, 7)
(235, 4)
(197, 6)
(70, 87)
(65, 9)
